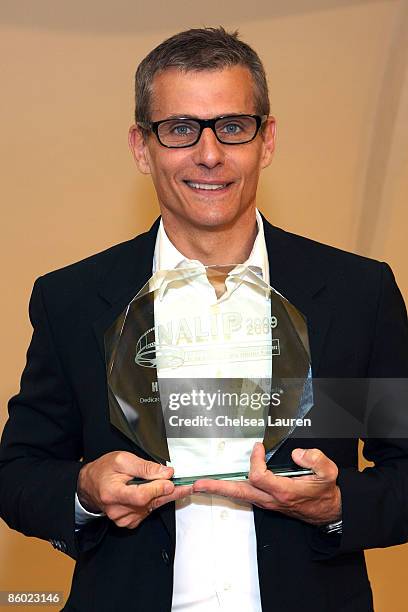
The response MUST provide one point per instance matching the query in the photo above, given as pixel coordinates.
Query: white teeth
(207, 186)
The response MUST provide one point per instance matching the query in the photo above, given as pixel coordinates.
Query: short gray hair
(199, 49)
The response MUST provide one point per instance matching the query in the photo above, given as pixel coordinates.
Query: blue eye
(181, 130)
(231, 128)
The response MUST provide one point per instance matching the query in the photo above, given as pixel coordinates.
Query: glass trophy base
(289, 471)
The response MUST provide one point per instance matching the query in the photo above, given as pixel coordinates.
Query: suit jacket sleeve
(41, 444)
(375, 501)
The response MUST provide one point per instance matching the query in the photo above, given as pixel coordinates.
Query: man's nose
(209, 151)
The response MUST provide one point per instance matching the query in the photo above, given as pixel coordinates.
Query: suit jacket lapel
(302, 283)
(122, 282)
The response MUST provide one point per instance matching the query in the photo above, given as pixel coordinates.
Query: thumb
(300, 457)
(150, 470)
(313, 458)
(132, 465)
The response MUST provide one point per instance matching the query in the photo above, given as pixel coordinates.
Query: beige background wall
(339, 88)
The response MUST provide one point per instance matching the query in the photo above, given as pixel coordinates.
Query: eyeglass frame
(203, 123)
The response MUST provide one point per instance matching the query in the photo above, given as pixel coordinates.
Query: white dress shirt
(215, 566)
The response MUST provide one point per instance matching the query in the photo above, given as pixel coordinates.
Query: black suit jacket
(358, 328)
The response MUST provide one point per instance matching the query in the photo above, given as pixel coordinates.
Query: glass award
(204, 362)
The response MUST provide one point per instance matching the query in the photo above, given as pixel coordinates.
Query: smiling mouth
(207, 186)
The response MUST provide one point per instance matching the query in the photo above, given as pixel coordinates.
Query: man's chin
(211, 219)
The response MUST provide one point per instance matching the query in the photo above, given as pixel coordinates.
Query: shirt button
(221, 445)
(224, 515)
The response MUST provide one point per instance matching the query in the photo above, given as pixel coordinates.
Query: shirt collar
(167, 257)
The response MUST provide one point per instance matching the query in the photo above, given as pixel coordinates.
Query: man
(281, 553)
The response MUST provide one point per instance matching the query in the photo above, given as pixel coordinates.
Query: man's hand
(314, 499)
(102, 487)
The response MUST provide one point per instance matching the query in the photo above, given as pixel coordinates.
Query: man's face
(181, 175)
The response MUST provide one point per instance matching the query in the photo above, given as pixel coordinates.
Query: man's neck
(214, 246)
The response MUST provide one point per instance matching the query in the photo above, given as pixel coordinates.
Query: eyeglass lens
(229, 130)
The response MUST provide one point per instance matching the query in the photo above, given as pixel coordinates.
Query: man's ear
(137, 144)
(269, 139)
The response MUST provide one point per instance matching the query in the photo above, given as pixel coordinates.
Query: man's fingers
(143, 504)
(156, 493)
(258, 464)
(260, 477)
(228, 488)
(313, 458)
(130, 464)
(150, 490)
(179, 493)
(120, 511)
(141, 495)
(149, 470)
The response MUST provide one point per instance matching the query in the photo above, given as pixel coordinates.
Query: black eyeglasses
(186, 132)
